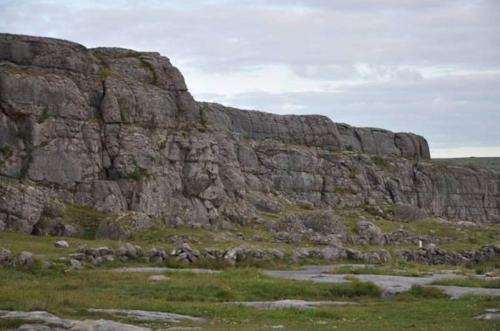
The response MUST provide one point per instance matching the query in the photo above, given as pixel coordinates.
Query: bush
(355, 288)
(379, 161)
(418, 291)
(6, 151)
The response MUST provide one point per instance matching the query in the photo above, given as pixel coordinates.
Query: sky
(426, 66)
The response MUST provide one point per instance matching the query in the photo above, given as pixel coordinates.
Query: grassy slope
(485, 162)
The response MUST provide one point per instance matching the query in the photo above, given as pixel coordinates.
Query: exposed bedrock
(117, 130)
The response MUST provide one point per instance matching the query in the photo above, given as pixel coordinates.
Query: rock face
(117, 130)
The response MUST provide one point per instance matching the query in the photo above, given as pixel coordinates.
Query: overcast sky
(427, 66)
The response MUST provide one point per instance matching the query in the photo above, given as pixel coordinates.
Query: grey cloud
(393, 49)
(451, 112)
(229, 35)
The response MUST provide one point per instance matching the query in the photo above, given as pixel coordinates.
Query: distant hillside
(485, 162)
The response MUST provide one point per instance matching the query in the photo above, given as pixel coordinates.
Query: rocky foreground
(118, 131)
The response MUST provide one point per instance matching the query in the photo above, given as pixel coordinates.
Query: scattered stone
(23, 259)
(47, 318)
(369, 234)
(490, 315)
(105, 325)
(389, 284)
(298, 304)
(77, 256)
(185, 253)
(435, 255)
(456, 292)
(334, 253)
(5, 256)
(34, 327)
(157, 278)
(61, 244)
(148, 315)
(75, 264)
(157, 270)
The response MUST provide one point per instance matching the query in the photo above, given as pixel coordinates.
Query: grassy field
(470, 282)
(484, 162)
(207, 295)
(70, 293)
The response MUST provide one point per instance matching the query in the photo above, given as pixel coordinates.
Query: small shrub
(418, 291)
(45, 115)
(355, 288)
(379, 161)
(342, 190)
(203, 118)
(85, 217)
(149, 66)
(104, 73)
(6, 151)
(139, 173)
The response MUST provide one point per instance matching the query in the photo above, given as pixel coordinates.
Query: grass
(483, 162)
(68, 294)
(139, 173)
(454, 237)
(422, 292)
(458, 237)
(6, 151)
(43, 246)
(470, 282)
(382, 270)
(87, 218)
(45, 115)
(206, 295)
(380, 161)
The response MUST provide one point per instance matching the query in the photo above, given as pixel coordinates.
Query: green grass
(470, 282)
(458, 237)
(6, 151)
(87, 218)
(483, 162)
(379, 270)
(45, 115)
(422, 292)
(69, 294)
(43, 246)
(206, 295)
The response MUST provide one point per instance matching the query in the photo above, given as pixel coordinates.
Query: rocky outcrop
(117, 130)
(315, 130)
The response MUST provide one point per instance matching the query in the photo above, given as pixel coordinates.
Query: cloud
(451, 112)
(418, 65)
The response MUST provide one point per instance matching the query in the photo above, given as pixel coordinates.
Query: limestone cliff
(117, 130)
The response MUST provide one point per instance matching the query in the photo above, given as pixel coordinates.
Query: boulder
(369, 234)
(157, 278)
(5, 256)
(23, 259)
(61, 244)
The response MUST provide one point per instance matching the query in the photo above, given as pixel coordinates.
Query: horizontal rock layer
(316, 130)
(117, 130)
